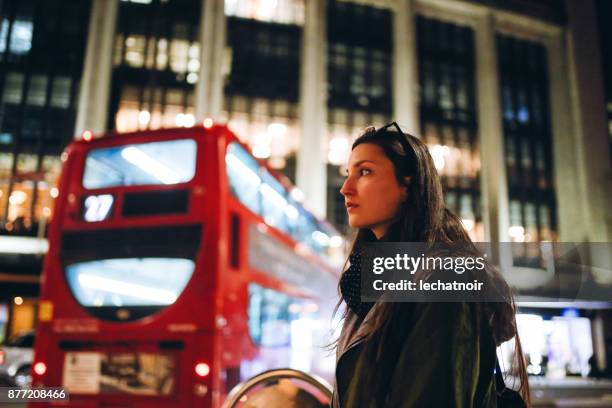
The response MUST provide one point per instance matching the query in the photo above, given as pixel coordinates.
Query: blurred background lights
(261, 145)
(517, 233)
(185, 120)
(439, 154)
(18, 197)
(297, 194)
(208, 123)
(144, 117)
(338, 150)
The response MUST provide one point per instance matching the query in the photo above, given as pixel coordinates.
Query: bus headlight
(97, 207)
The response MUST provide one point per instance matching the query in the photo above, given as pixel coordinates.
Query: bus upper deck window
(243, 176)
(163, 162)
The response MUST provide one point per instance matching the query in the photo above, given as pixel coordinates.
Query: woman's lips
(351, 206)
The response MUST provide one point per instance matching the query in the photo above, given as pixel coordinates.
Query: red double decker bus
(179, 265)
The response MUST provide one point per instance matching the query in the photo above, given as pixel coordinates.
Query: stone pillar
(405, 68)
(591, 143)
(569, 191)
(493, 180)
(312, 153)
(209, 88)
(96, 80)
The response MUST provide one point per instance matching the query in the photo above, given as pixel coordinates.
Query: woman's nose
(347, 187)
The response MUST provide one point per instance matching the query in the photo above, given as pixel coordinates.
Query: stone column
(209, 88)
(96, 80)
(311, 159)
(590, 135)
(569, 191)
(405, 68)
(493, 180)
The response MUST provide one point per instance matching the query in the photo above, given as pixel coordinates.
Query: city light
(297, 194)
(54, 192)
(517, 233)
(208, 123)
(18, 300)
(23, 245)
(277, 130)
(321, 238)
(192, 78)
(439, 154)
(40, 368)
(468, 223)
(18, 197)
(338, 150)
(185, 120)
(261, 145)
(144, 117)
(202, 369)
(336, 241)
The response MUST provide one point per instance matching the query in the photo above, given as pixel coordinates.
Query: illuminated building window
(527, 138)
(13, 88)
(270, 11)
(262, 85)
(270, 128)
(360, 60)
(447, 112)
(60, 92)
(164, 108)
(37, 90)
(21, 36)
(156, 61)
(42, 48)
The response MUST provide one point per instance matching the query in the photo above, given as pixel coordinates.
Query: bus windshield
(129, 281)
(164, 162)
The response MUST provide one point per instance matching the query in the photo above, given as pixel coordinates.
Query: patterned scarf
(350, 282)
(350, 287)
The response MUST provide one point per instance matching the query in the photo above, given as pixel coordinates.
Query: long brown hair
(423, 217)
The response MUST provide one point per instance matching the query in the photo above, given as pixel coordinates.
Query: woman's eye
(364, 172)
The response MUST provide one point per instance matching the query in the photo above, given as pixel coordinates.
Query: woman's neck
(391, 233)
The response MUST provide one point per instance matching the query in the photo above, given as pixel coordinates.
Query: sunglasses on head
(411, 154)
(388, 125)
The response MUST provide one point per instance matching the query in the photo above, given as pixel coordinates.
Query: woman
(412, 354)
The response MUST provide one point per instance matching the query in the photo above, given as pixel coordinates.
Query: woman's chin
(355, 223)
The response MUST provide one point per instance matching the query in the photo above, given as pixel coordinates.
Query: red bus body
(191, 351)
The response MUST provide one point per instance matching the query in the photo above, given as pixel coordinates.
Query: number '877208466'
(13, 394)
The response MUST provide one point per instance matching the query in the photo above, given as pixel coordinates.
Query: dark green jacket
(443, 360)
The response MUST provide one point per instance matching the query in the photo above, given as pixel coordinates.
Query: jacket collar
(355, 331)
